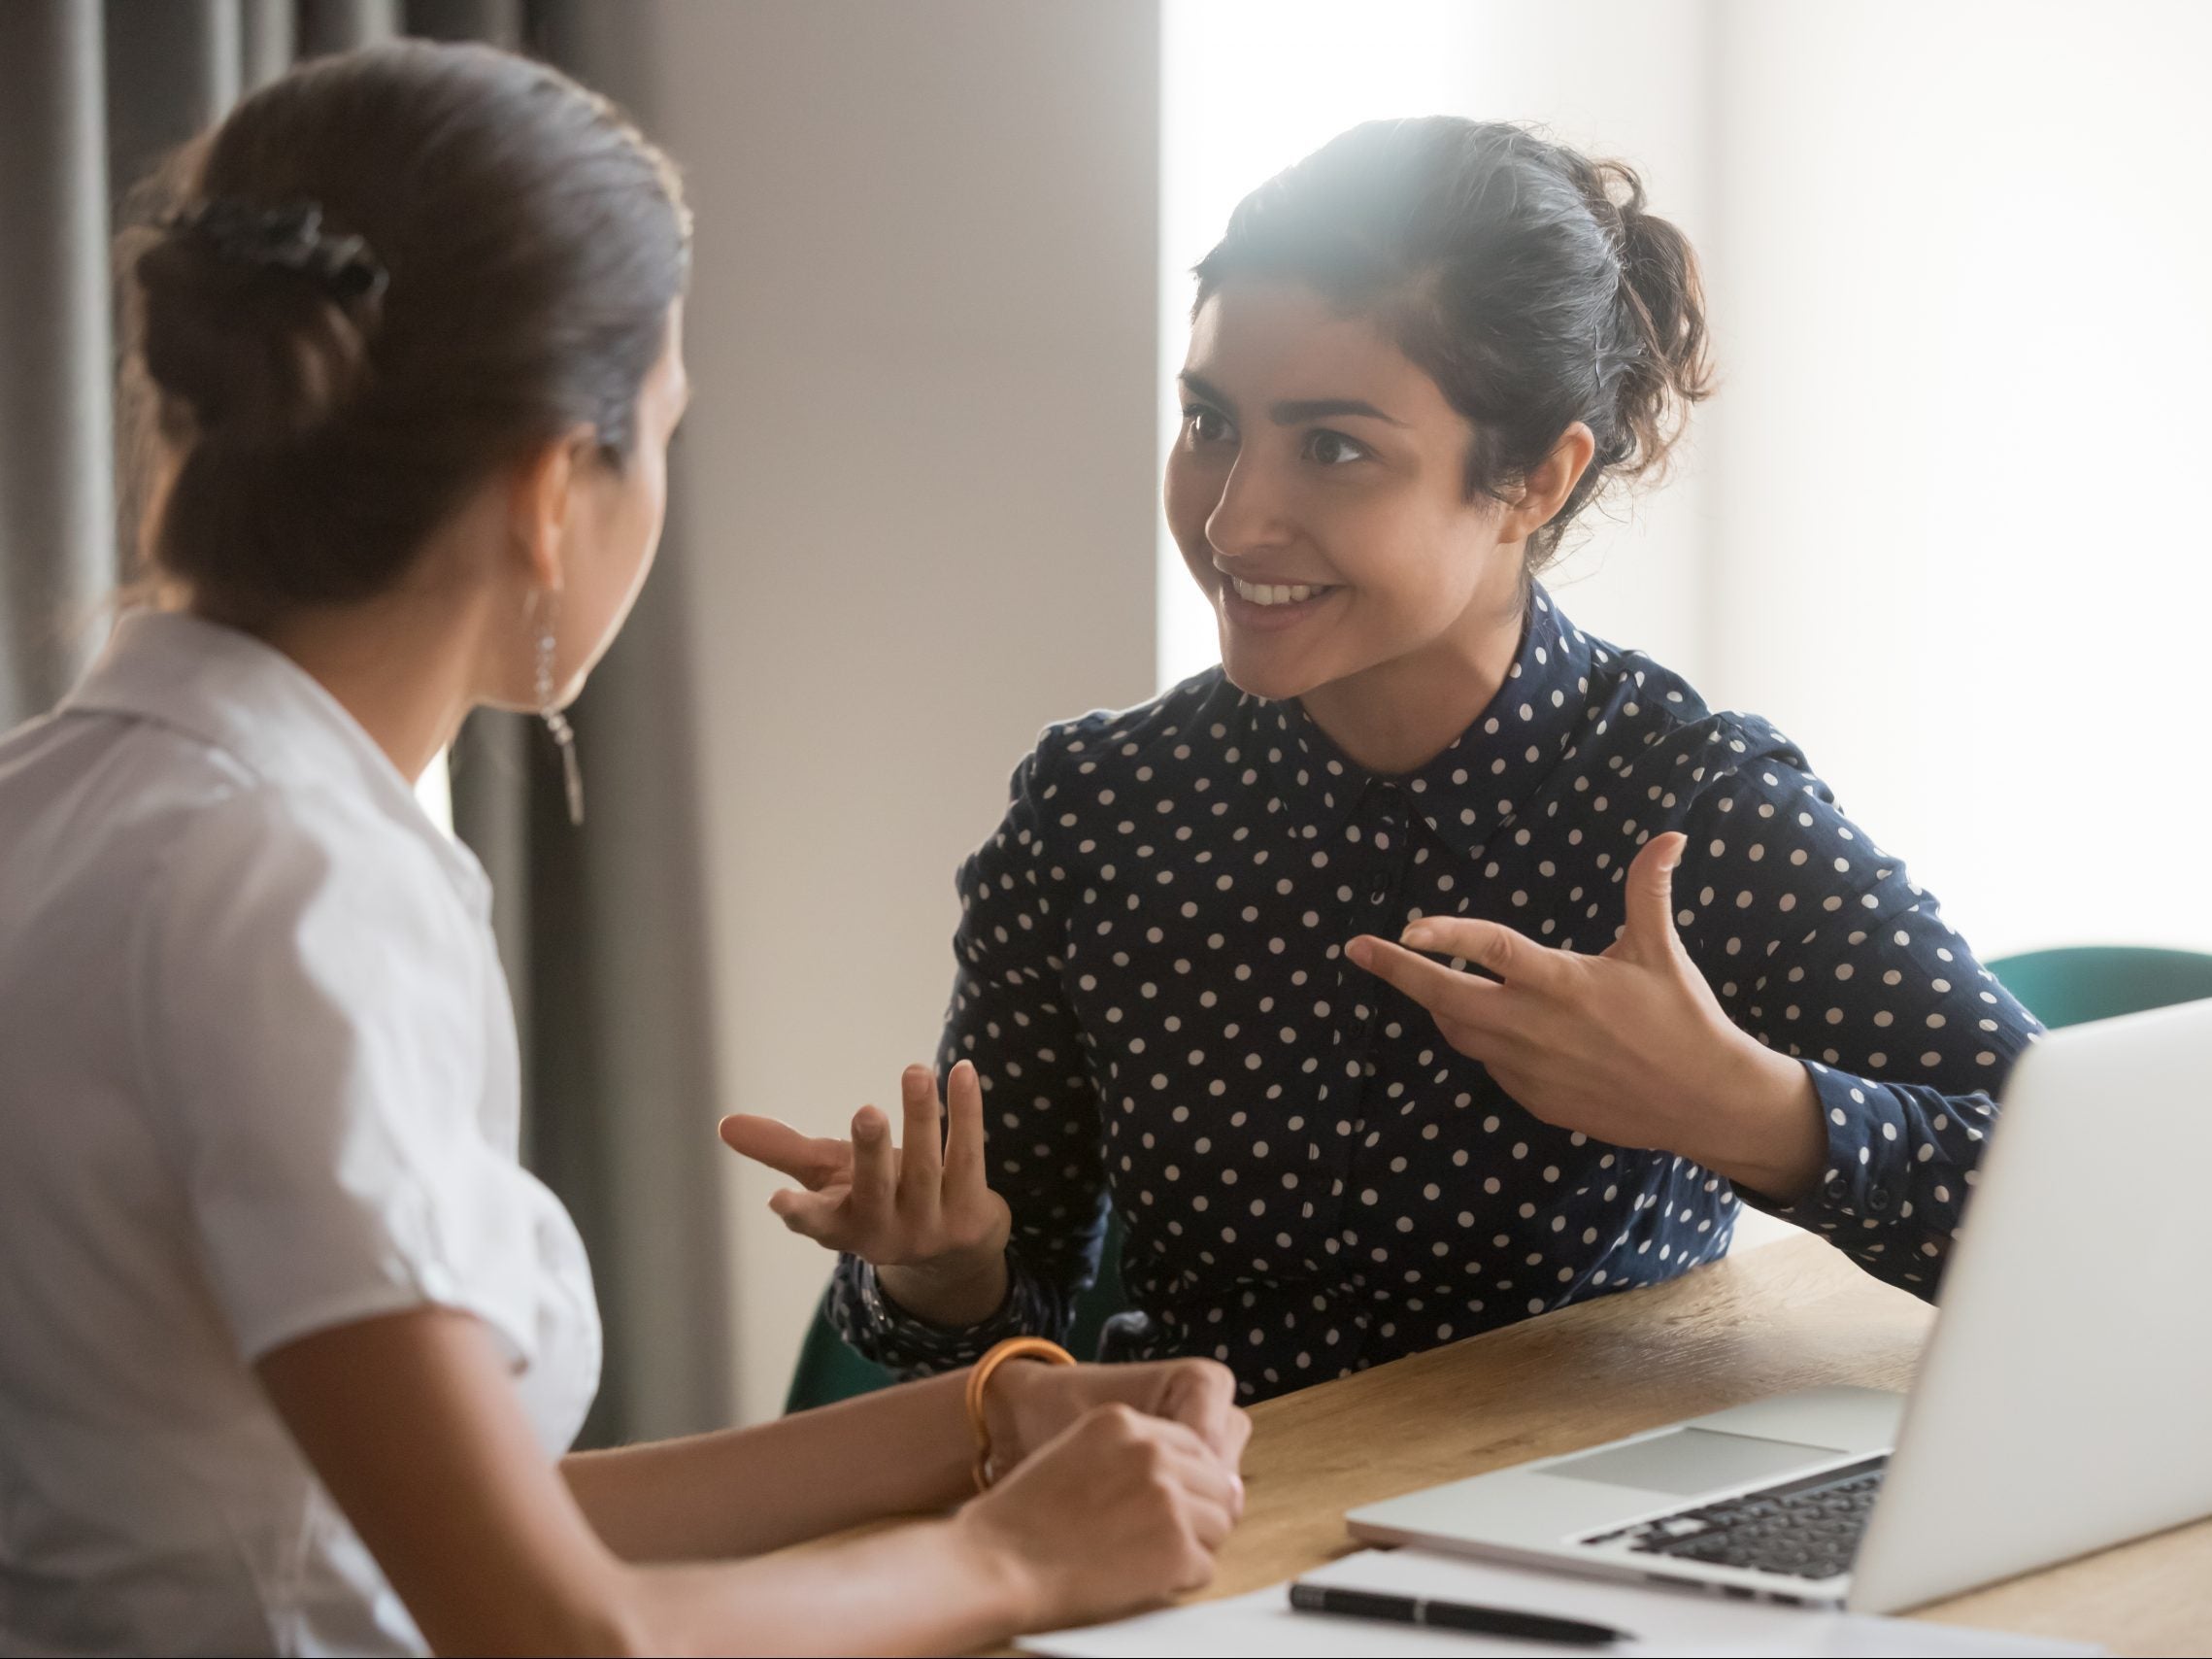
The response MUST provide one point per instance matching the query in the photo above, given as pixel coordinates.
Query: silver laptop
(2060, 1405)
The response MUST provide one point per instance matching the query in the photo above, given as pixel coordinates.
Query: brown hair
(1526, 279)
(488, 257)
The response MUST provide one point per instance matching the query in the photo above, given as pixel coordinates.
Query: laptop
(2059, 1407)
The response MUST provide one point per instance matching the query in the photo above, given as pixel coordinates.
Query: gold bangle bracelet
(979, 1379)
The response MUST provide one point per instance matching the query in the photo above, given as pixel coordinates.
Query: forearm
(744, 1491)
(911, 1589)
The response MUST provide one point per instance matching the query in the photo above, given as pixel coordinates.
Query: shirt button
(1837, 1188)
(1878, 1199)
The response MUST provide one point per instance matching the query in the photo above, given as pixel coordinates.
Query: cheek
(626, 534)
(1419, 565)
(635, 522)
(1190, 495)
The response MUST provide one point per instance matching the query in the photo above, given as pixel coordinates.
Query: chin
(1263, 675)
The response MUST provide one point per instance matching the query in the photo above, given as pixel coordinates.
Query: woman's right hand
(923, 1215)
(1121, 1511)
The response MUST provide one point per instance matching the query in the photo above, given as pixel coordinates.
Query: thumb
(1651, 935)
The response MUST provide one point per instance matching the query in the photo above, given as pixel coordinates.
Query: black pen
(1451, 1615)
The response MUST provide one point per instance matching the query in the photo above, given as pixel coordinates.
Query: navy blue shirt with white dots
(1154, 988)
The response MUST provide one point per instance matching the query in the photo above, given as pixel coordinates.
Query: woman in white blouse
(293, 1345)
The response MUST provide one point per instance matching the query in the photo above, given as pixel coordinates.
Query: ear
(540, 494)
(1549, 484)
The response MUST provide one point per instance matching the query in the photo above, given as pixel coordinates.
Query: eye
(1204, 425)
(1333, 449)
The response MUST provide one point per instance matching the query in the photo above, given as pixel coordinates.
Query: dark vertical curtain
(602, 928)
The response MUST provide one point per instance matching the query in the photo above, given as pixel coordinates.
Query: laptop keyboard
(1806, 1528)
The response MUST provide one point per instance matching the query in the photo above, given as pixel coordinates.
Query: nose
(1250, 518)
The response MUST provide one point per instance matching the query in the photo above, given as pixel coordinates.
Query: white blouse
(257, 1078)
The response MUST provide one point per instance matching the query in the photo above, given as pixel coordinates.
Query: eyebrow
(1295, 412)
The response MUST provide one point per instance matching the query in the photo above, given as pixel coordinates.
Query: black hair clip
(288, 238)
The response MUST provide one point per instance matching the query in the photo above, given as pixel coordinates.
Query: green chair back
(2077, 984)
(829, 1369)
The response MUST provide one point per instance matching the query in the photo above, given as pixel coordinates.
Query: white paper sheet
(1664, 1621)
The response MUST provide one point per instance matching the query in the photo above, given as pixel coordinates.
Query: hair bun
(1666, 365)
(256, 320)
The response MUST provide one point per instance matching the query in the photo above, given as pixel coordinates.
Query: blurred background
(1944, 523)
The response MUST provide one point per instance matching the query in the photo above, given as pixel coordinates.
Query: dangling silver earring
(556, 723)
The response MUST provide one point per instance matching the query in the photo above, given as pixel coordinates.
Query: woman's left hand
(1029, 1405)
(1630, 1047)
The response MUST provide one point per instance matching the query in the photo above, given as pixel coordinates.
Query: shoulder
(270, 877)
(1108, 746)
(1653, 731)
(303, 965)
(1095, 768)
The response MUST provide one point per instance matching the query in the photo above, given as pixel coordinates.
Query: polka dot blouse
(1153, 987)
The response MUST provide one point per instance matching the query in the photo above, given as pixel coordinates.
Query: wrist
(955, 1290)
(1007, 1583)
(1026, 1403)
(1767, 1131)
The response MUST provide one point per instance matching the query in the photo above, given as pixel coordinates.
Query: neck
(1399, 715)
(403, 664)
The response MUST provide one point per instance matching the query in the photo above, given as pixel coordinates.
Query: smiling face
(1318, 491)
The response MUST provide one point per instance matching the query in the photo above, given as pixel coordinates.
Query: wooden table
(1793, 1315)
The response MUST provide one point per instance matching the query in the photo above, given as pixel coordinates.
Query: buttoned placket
(1376, 841)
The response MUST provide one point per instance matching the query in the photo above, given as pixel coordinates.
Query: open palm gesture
(925, 1205)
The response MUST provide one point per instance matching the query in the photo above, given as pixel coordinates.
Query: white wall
(1966, 310)
(918, 505)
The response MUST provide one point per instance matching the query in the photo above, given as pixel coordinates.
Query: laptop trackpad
(1692, 1459)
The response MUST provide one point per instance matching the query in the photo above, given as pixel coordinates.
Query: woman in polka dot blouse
(1430, 964)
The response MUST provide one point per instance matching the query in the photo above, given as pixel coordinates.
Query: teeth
(1275, 594)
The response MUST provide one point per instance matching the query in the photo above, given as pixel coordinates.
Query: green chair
(829, 1369)
(2077, 984)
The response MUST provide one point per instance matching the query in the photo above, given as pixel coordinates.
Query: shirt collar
(1473, 788)
(230, 691)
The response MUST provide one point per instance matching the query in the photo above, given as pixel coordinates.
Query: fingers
(1212, 1492)
(818, 1216)
(1450, 996)
(875, 1166)
(919, 1163)
(1211, 1519)
(811, 1162)
(963, 1130)
(1201, 1395)
(1649, 896)
(1513, 957)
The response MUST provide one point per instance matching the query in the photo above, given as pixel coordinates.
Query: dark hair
(488, 257)
(1528, 281)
